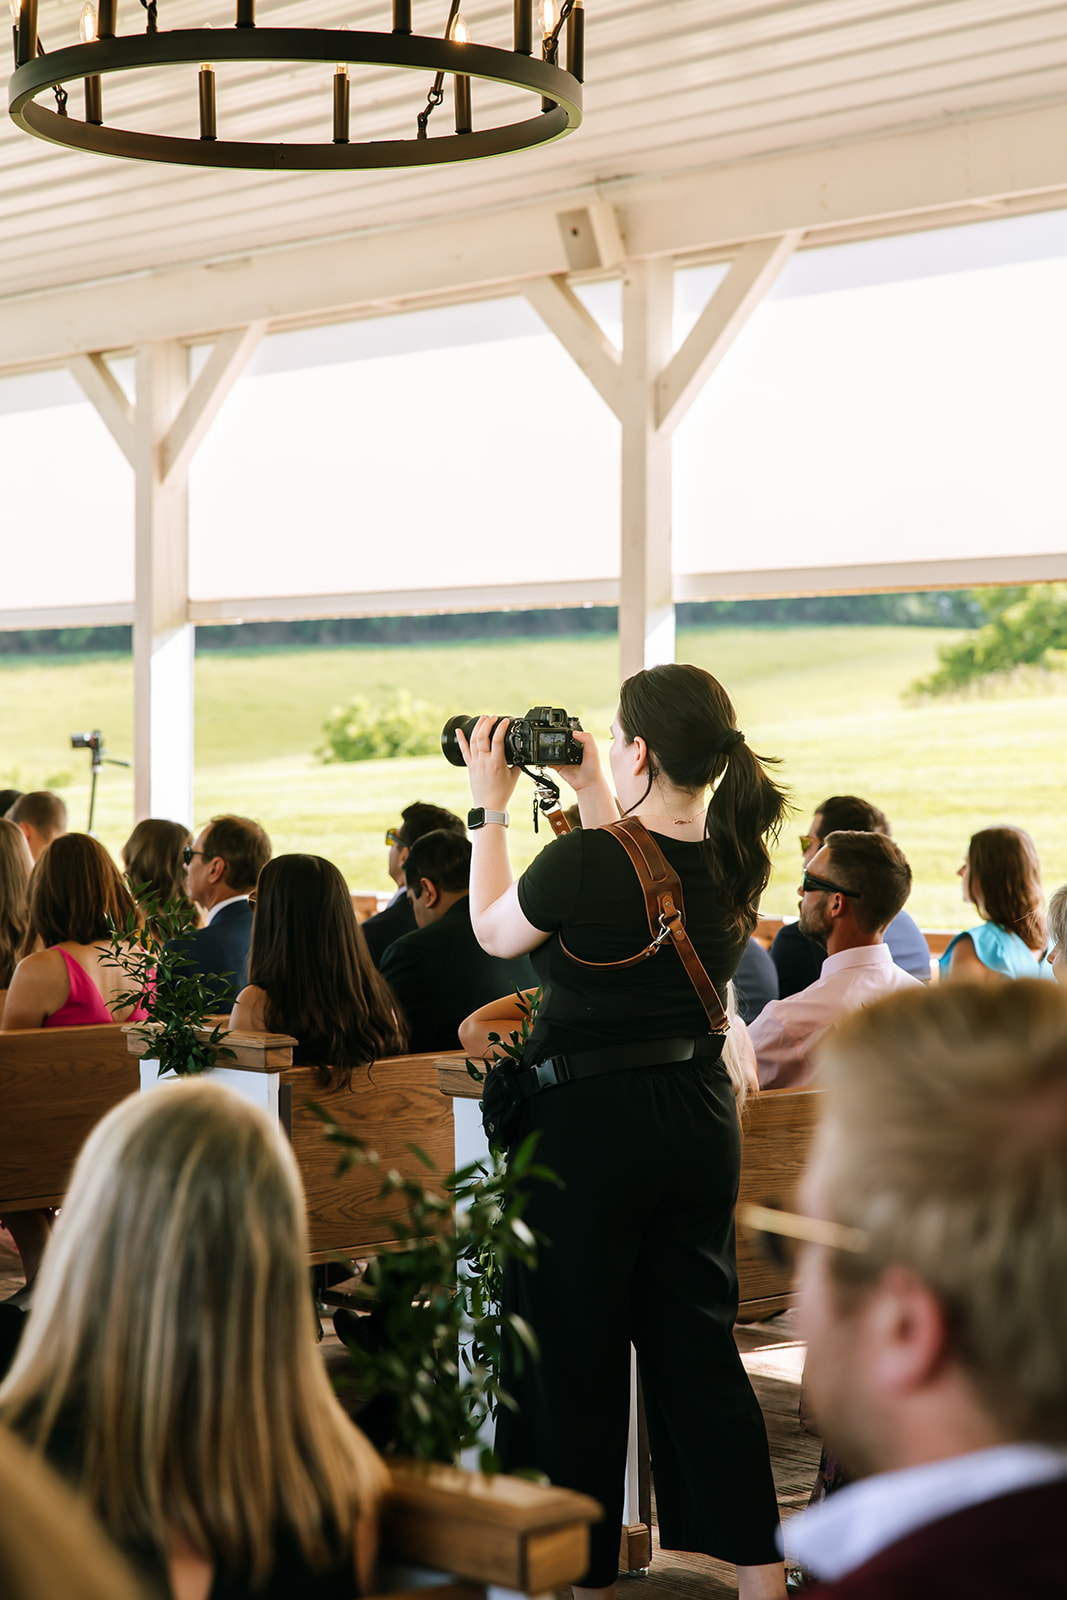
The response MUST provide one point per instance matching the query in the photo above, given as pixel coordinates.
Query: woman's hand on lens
(590, 773)
(492, 780)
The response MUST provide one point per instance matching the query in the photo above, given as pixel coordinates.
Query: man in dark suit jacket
(934, 1298)
(440, 973)
(222, 866)
(398, 918)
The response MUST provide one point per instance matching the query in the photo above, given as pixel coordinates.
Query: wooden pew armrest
(501, 1530)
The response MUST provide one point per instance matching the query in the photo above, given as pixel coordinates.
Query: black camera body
(87, 741)
(542, 738)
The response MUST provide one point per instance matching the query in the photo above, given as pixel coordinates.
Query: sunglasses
(392, 836)
(188, 853)
(810, 883)
(807, 841)
(779, 1232)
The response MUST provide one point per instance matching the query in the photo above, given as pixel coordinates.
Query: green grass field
(828, 701)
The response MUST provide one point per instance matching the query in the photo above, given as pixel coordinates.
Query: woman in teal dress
(1001, 875)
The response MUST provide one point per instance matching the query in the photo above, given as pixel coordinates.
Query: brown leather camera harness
(665, 908)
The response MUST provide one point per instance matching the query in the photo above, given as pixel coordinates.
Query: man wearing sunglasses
(934, 1319)
(222, 866)
(851, 890)
(799, 960)
(398, 918)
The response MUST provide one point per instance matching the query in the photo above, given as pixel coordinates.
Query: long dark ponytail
(687, 720)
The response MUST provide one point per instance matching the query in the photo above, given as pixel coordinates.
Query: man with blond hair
(934, 1297)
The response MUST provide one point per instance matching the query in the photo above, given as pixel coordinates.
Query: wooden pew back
(55, 1085)
(777, 1126)
(390, 1106)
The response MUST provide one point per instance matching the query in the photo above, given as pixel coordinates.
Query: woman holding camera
(640, 1123)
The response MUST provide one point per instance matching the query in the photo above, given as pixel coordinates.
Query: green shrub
(1026, 628)
(400, 726)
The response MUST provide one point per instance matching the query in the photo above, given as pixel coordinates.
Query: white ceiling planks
(674, 88)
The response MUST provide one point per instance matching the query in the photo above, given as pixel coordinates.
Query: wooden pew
(500, 1531)
(390, 1106)
(55, 1085)
(776, 1130)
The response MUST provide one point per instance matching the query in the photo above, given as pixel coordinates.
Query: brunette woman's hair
(15, 869)
(152, 856)
(75, 888)
(687, 720)
(1005, 881)
(311, 960)
(173, 1338)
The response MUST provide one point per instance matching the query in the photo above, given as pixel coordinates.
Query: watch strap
(478, 816)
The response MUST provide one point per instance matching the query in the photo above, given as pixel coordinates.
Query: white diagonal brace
(102, 389)
(580, 335)
(232, 353)
(752, 273)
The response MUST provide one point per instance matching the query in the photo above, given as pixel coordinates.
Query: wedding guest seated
(1001, 877)
(154, 859)
(310, 974)
(934, 1299)
(853, 888)
(1057, 927)
(50, 1544)
(16, 864)
(222, 866)
(799, 959)
(170, 1369)
(42, 816)
(75, 890)
(755, 983)
(398, 918)
(440, 973)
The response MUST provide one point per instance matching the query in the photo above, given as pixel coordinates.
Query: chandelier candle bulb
(207, 101)
(340, 103)
(401, 16)
(524, 27)
(576, 41)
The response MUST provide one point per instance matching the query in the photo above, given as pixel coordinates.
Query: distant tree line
(959, 608)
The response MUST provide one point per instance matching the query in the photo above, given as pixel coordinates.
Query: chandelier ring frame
(560, 92)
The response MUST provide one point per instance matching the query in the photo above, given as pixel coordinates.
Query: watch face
(476, 817)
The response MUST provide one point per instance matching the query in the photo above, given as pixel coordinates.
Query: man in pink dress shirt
(850, 893)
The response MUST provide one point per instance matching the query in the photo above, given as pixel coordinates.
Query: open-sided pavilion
(716, 131)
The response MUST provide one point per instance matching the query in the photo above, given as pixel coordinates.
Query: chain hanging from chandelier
(103, 50)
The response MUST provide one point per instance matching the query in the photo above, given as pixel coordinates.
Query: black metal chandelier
(102, 51)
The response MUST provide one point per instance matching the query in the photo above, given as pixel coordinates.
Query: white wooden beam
(580, 335)
(752, 273)
(646, 599)
(232, 353)
(866, 187)
(102, 389)
(162, 634)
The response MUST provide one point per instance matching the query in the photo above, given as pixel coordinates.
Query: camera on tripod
(542, 738)
(88, 741)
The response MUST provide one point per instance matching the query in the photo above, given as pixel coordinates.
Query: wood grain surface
(777, 1126)
(55, 1085)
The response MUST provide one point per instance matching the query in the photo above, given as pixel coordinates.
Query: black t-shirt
(584, 886)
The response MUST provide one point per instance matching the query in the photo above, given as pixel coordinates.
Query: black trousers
(641, 1250)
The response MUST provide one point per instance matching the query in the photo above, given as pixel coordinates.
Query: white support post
(159, 436)
(162, 636)
(646, 603)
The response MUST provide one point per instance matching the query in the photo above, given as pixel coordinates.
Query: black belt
(616, 1058)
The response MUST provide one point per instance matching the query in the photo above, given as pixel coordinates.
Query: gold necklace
(679, 822)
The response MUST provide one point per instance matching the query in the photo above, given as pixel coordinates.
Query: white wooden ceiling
(674, 87)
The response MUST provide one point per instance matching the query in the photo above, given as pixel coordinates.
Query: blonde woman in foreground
(169, 1369)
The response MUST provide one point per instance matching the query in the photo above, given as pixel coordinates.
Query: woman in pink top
(67, 980)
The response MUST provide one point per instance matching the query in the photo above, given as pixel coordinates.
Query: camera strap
(665, 908)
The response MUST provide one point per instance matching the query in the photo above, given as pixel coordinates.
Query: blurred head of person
(418, 818)
(1057, 928)
(841, 813)
(7, 800)
(1001, 876)
(942, 1146)
(171, 1358)
(155, 870)
(76, 892)
(42, 816)
(16, 865)
(311, 960)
